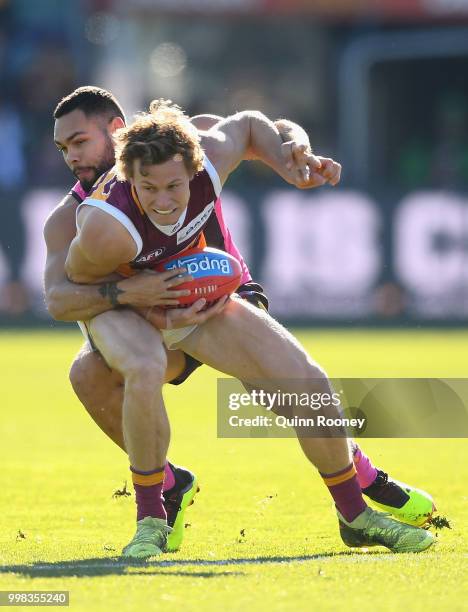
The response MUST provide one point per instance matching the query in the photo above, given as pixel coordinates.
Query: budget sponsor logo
(201, 265)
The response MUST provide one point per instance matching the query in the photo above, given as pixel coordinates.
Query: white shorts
(173, 336)
(84, 331)
(170, 336)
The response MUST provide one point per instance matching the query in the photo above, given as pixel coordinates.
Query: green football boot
(176, 502)
(372, 528)
(402, 501)
(149, 540)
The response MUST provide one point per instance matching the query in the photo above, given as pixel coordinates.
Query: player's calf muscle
(100, 390)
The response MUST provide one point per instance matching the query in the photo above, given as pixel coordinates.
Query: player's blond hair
(157, 137)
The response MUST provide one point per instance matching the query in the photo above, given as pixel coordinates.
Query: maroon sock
(346, 492)
(149, 493)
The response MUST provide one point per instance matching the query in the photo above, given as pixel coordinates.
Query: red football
(215, 274)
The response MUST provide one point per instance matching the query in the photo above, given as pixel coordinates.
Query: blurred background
(380, 85)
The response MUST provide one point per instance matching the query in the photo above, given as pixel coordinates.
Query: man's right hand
(194, 314)
(174, 318)
(150, 288)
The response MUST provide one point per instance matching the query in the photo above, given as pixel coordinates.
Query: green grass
(59, 473)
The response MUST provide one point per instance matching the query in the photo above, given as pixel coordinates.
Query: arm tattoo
(112, 292)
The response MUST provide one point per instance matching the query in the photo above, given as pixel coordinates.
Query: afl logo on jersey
(147, 257)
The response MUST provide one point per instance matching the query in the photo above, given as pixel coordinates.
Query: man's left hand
(309, 170)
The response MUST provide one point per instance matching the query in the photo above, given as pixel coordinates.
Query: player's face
(86, 146)
(163, 189)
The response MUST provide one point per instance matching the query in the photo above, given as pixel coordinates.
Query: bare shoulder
(60, 225)
(226, 143)
(219, 148)
(102, 236)
(205, 122)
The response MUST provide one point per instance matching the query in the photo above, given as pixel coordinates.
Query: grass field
(61, 529)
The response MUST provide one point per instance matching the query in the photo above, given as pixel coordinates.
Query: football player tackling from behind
(84, 123)
(170, 180)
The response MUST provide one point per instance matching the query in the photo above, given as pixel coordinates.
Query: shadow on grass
(109, 566)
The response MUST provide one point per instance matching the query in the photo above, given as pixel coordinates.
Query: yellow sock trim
(148, 480)
(336, 480)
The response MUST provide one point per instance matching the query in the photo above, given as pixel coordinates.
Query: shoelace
(394, 528)
(382, 478)
(387, 492)
(146, 534)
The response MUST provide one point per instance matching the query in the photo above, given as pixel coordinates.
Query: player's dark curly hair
(92, 101)
(157, 137)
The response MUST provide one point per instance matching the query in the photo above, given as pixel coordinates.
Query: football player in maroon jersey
(85, 122)
(162, 197)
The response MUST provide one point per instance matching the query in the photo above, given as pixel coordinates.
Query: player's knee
(91, 378)
(146, 380)
(309, 376)
(80, 376)
(316, 374)
(146, 370)
(318, 383)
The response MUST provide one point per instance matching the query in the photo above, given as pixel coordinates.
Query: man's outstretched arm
(311, 170)
(248, 134)
(251, 135)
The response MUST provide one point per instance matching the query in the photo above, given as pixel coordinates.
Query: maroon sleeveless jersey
(156, 243)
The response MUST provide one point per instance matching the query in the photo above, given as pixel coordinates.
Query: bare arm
(69, 301)
(311, 170)
(248, 134)
(205, 122)
(288, 130)
(291, 131)
(251, 135)
(100, 246)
